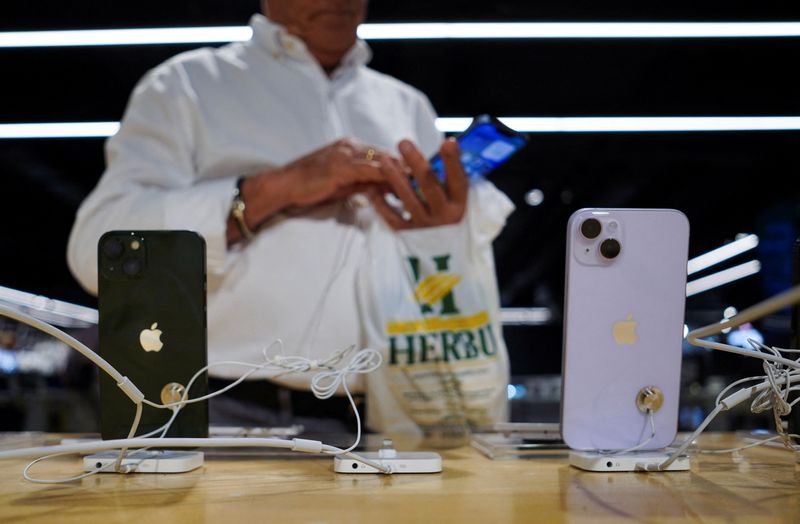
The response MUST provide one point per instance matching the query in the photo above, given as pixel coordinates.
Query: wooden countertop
(758, 485)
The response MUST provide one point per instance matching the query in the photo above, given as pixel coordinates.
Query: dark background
(727, 183)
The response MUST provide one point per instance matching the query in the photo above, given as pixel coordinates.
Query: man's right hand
(330, 173)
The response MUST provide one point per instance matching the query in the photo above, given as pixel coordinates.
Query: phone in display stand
(152, 328)
(623, 328)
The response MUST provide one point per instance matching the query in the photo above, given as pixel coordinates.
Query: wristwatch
(237, 210)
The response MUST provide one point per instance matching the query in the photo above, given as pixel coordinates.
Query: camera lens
(610, 248)
(113, 248)
(590, 228)
(131, 267)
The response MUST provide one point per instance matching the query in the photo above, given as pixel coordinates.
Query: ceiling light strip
(632, 124)
(413, 31)
(723, 277)
(457, 124)
(106, 37)
(720, 254)
(548, 30)
(59, 130)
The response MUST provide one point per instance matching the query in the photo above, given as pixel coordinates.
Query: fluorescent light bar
(633, 124)
(715, 256)
(723, 277)
(479, 30)
(620, 124)
(95, 37)
(59, 130)
(578, 30)
(525, 316)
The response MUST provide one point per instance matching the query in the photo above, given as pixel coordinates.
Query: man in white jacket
(258, 146)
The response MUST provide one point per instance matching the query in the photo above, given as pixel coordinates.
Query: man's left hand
(432, 203)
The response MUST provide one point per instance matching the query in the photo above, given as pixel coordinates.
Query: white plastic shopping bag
(429, 302)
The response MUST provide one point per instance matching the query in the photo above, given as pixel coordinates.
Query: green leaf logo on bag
(437, 287)
(441, 333)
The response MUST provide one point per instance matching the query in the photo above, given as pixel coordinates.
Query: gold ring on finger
(370, 154)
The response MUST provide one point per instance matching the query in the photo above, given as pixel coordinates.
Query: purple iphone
(623, 327)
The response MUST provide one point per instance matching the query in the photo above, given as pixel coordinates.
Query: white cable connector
(130, 389)
(387, 451)
(307, 446)
(737, 398)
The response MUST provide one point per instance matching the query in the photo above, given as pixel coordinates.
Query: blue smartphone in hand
(485, 144)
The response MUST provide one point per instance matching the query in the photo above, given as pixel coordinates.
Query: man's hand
(435, 204)
(331, 173)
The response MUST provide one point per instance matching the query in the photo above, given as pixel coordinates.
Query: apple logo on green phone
(150, 339)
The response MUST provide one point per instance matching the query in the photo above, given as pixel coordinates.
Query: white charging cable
(775, 386)
(324, 384)
(362, 362)
(122, 381)
(27, 475)
(340, 258)
(650, 421)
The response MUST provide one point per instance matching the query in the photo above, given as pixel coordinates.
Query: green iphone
(152, 327)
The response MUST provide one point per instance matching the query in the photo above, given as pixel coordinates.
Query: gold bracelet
(237, 210)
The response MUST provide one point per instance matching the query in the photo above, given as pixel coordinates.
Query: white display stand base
(647, 461)
(150, 461)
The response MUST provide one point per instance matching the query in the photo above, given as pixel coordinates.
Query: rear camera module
(610, 248)
(590, 228)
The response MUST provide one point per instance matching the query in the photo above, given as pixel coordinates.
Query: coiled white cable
(325, 383)
(775, 386)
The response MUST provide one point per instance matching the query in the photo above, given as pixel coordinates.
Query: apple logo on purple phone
(624, 331)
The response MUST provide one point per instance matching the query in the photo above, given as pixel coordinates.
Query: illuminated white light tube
(723, 277)
(632, 124)
(413, 31)
(59, 130)
(525, 316)
(715, 256)
(99, 37)
(455, 124)
(467, 30)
